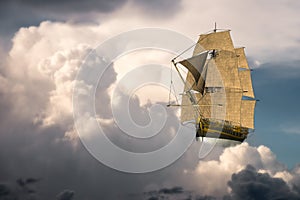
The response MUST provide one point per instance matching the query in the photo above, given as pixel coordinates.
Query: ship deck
(222, 130)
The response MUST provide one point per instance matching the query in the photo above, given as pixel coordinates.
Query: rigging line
(190, 87)
(175, 94)
(184, 51)
(170, 85)
(204, 93)
(197, 111)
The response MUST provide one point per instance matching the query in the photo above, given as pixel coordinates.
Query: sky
(42, 46)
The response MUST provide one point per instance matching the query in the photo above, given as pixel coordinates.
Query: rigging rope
(172, 87)
(184, 51)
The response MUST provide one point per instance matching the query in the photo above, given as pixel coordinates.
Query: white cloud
(290, 129)
(61, 68)
(211, 176)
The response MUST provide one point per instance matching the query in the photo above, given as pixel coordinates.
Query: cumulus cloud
(37, 86)
(41, 69)
(61, 68)
(210, 177)
(213, 175)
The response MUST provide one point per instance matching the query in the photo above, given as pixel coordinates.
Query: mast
(215, 30)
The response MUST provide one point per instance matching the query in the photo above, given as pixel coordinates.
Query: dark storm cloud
(176, 193)
(78, 6)
(162, 8)
(66, 6)
(174, 190)
(167, 193)
(4, 190)
(18, 13)
(21, 189)
(65, 195)
(206, 198)
(248, 184)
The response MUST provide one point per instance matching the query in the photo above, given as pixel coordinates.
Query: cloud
(4, 190)
(174, 190)
(232, 176)
(57, 7)
(175, 193)
(211, 176)
(19, 189)
(249, 184)
(290, 129)
(165, 192)
(18, 13)
(65, 195)
(37, 83)
(157, 8)
(61, 68)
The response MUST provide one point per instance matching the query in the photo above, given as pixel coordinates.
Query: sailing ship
(218, 94)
